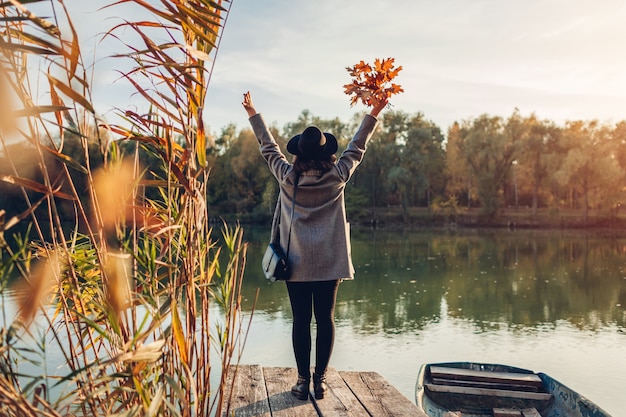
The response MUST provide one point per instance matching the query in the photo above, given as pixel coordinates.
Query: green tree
(382, 155)
(460, 181)
(250, 173)
(220, 195)
(534, 156)
(489, 146)
(420, 159)
(424, 156)
(397, 179)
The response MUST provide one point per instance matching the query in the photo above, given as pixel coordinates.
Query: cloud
(461, 58)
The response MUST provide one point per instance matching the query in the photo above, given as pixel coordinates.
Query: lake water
(550, 301)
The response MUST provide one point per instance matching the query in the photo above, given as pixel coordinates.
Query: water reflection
(551, 301)
(406, 280)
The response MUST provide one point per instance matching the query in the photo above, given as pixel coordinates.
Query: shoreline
(510, 218)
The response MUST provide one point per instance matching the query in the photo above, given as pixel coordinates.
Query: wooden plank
(506, 412)
(485, 376)
(537, 396)
(278, 382)
(378, 396)
(362, 392)
(339, 400)
(530, 412)
(249, 397)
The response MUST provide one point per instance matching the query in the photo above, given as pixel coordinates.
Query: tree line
(488, 162)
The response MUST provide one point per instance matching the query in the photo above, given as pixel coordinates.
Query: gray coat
(319, 249)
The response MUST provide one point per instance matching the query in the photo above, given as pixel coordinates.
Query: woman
(319, 241)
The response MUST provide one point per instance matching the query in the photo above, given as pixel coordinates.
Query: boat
(470, 389)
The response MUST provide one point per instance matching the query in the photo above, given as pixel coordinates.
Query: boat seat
(452, 389)
(489, 397)
(442, 375)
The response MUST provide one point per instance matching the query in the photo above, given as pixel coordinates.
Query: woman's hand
(247, 104)
(379, 107)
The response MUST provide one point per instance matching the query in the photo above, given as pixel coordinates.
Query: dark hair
(301, 164)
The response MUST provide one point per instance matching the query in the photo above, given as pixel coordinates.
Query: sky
(559, 59)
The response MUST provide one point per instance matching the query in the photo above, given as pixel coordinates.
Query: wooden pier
(266, 392)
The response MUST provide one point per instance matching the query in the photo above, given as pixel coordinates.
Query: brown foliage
(372, 84)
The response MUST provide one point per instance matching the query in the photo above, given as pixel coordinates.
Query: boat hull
(476, 389)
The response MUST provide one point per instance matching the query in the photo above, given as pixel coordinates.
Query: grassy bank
(512, 218)
(520, 218)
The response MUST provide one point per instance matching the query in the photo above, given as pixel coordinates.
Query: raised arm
(247, 104)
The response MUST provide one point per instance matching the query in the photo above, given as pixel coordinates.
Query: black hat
(313, 144)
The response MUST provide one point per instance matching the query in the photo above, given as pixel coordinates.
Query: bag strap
(274, 238)
(293, 207)
(275, 222)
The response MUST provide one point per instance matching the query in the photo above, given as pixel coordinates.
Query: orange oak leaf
(372, 84)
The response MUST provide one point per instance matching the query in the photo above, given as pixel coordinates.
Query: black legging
(318, 297)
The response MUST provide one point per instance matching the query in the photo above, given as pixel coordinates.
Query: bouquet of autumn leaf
(372, 84)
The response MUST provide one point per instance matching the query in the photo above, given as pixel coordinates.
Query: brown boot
(301, 389)
(319, 386)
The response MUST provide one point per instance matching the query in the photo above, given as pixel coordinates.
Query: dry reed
(136, 275)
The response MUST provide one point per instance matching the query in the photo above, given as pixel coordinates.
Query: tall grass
(124, 293)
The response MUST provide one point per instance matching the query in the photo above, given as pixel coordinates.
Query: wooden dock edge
(266, 392)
